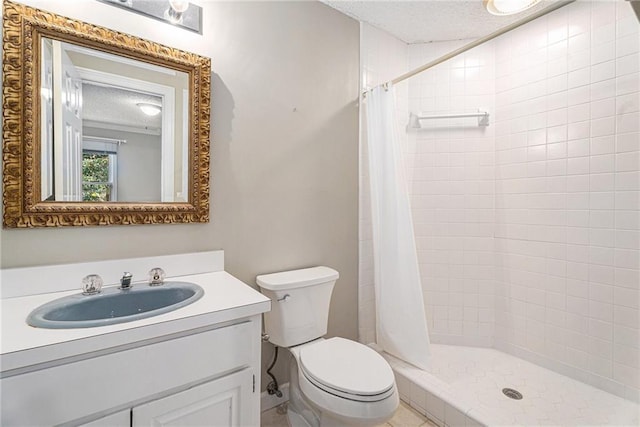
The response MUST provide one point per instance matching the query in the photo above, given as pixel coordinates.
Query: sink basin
(114, 305)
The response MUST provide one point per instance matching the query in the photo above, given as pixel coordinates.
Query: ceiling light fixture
(176, 9)
(508, 7)
(149, 109)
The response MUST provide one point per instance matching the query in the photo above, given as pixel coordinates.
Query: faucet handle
(156, 276)
(91, 284)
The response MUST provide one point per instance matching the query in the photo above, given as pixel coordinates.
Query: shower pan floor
(464, 387)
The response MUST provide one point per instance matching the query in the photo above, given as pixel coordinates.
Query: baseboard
(268, 401)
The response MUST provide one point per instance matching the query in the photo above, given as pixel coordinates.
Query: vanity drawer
(116, 380)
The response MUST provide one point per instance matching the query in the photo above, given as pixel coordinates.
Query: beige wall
(284, 149)
(138, 177)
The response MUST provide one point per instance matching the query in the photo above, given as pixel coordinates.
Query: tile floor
(404, 417)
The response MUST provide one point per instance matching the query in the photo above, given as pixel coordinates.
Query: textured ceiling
(429, 20)
(118, 106)
(111, 106)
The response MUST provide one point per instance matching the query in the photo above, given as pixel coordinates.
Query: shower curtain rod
(475, 43)
(111, 140)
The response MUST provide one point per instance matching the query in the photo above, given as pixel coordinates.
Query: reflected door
(67, 92)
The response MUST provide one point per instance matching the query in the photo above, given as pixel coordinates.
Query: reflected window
(99, 170)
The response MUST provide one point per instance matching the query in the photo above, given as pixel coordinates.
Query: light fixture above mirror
(176, 10)
(72, 125)
(180, 13)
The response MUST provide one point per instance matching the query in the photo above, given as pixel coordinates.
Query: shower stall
(526, 219)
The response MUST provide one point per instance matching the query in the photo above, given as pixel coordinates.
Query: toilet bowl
(335, 381)
(345, 382)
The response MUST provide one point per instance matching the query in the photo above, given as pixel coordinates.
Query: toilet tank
(299, 304)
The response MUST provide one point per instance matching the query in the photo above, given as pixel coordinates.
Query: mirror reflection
(113, 129)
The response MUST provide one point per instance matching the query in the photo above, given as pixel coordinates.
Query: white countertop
(22, 346)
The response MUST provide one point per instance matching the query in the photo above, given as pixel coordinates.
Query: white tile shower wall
(383, 57)
(567, 199)
(453, 192)
(529, 236)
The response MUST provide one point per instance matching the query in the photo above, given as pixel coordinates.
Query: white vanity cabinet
(122, 418)
(222, 403)
(200, 378)
(195, 366)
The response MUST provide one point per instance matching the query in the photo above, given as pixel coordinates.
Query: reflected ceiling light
(508, 7)
(176, 9)
(149, 109)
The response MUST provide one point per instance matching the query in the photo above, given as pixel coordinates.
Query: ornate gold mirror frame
(23, 28)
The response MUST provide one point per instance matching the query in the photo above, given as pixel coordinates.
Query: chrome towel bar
(414, 119)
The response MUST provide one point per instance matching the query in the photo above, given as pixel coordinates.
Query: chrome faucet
(125, 281)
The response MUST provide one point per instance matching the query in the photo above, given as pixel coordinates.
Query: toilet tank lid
(297, 278)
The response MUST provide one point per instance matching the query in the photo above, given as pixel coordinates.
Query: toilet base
(299, 412)
(296, 420)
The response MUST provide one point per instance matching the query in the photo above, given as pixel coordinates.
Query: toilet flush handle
(284, 298)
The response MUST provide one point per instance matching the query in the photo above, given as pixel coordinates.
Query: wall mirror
(100, 127)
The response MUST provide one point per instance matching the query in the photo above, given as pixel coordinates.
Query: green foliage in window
(95, 177)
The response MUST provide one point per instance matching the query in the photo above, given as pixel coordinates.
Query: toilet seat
(347, 369)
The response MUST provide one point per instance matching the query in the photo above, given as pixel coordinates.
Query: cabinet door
(222, 402)
(119, 419)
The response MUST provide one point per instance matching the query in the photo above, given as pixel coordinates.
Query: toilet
(334, 381)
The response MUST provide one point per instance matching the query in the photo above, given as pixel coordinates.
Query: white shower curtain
(401, 325)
